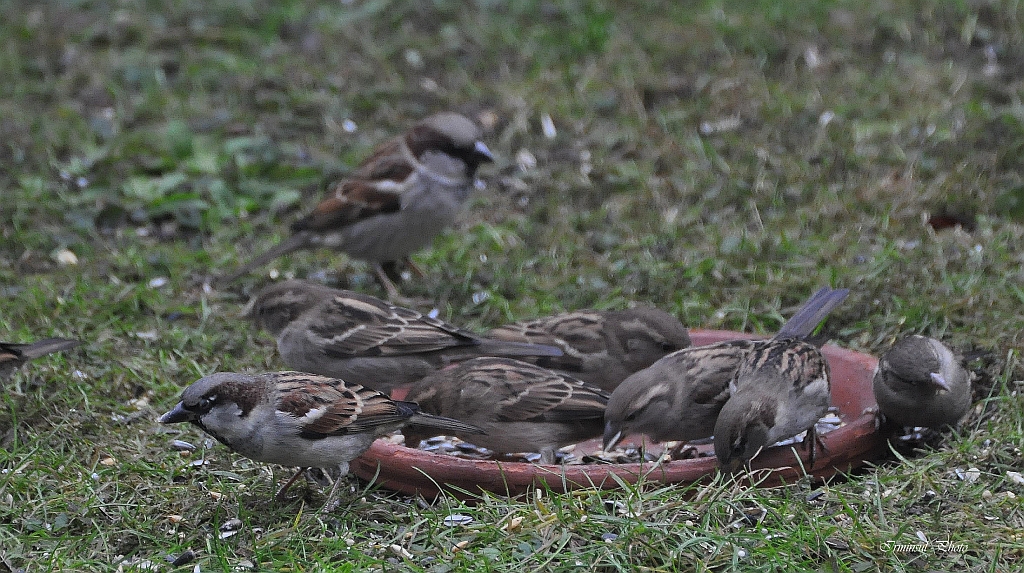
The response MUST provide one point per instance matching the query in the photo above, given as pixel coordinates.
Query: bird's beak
(480, 149)
(178, 414)
(611, 436)
(939, 381)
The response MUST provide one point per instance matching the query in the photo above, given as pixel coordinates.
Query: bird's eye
(632, 416)
(667, 346)
(207, 402)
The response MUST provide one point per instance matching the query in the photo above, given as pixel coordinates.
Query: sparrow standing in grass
(601, 347)
(920, 382)
(396, 201)
(521, 407)
(679, 397)
(365, 340)
(297, 419)
(13, 356)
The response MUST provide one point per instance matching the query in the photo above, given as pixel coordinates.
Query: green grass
(717, 159)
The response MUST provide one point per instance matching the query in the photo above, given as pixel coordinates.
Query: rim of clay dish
(416, 471)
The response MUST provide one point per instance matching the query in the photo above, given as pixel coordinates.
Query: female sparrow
(297, 419)
(365, 340)
(919, 382)
(396, 201)
(780, 389)
(521, 407)
(13, 356)
(679, 397)
(601, 347)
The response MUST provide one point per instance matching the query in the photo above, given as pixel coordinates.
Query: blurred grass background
(717, 159)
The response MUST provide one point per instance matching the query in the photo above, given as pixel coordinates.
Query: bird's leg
(879, 416)
(681, 451)
(332, 502)
(382, 277)
(288, 484)
(688, 449)
(811, 440)
(413, 268)
(547, 456)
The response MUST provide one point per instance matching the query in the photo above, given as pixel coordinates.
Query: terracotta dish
(846, 447)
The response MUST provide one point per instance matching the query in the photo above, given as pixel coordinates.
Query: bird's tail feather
(47, 346)
(505, 348)
(449, 425)
(807, 318)
(291, 244)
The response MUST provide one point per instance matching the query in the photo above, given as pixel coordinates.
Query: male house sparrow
(521, 407)
(365, 340)
(396, 201)
(297, 419)
(13, 356)
(601, 347)
(679, 397)
(780, 389)
(919, 382)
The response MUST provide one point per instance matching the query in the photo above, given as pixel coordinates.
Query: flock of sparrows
(536, 385)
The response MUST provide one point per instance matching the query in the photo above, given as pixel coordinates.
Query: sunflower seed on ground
(457, 519)
(182, 446)
(184, 558)
(230, 527)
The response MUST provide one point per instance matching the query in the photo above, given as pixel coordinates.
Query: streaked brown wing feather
(350, 201)
(535, 393)
(362, 326)
(335, 408)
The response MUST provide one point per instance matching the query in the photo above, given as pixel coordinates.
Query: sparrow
(13, 356)
(779, 390)
(521, 407)
(679, 397)
(601, 347)
(406, 192)
(297, 419)
(920, 382)
(364, 340)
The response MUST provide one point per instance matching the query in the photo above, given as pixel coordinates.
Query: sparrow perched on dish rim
(521, 407)
(679, 397)
(601, 347)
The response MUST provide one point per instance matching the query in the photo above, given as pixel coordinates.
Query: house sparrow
(919, 382)
(520, 406)
(396, 201)
(601, 347)
(13, 356)
(365, 340)
(678, 398)
(297, 419)
(780, 389)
